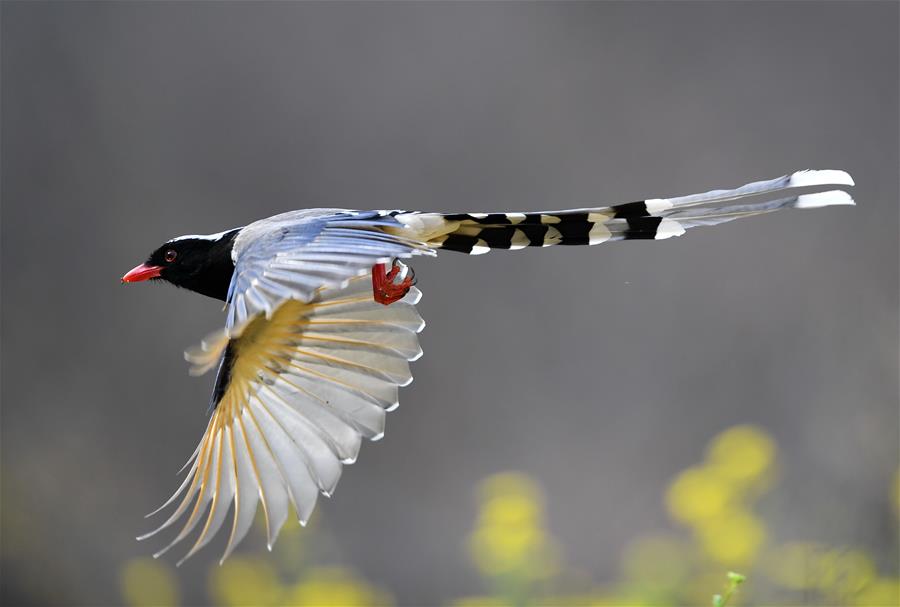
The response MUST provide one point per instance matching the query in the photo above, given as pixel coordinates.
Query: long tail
(652, 219)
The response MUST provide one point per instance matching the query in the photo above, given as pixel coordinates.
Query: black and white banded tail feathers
(651, 219)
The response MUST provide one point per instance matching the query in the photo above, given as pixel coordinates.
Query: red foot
(385, 287)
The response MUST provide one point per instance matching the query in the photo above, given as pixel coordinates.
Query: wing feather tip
(147, 536)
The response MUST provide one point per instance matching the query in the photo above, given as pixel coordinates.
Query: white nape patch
(668, 228)
(479, 248)
(518, 241)
(822, 177)
(210, 237)
(515, 217)
(823, 199)
(599, 233)
(657, 205)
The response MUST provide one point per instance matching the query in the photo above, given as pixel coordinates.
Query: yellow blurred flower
(697, 494)
(597, 600)
(334, 587)
(147, 582)
(883, 592)
(244, 581)
(840, 574)
(741, 453)
(497, 550)
(510, 537)
(511, 510)
(507, 484)
(734, 538)
(844, 573)
(794, 564)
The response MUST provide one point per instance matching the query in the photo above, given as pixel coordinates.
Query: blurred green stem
(734, 580)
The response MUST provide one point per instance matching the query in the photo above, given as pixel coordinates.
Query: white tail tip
(823, 199)
(826, 177)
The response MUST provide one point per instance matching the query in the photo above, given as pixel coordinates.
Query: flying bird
(321, 326)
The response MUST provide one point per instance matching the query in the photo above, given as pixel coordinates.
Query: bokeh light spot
(883, 591)
(696, 494)
(509, 538)
(334, 587)
(734, 538)
(793, 564)
(741, 453)
(246, 581)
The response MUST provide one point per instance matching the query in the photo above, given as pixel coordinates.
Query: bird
(321, 325)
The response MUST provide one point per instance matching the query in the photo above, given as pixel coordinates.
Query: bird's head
(198, 263)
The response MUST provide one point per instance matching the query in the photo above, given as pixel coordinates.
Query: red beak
(142, 272)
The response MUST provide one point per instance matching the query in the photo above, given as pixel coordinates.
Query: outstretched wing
(303, 387)
(291, 256)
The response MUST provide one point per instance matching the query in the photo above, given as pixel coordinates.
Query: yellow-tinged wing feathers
(300, 391)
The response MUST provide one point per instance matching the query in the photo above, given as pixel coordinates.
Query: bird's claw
(392, 285)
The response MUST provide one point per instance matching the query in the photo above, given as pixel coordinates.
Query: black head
(198, 263)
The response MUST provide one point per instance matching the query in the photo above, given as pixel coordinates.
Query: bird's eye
(171, 254)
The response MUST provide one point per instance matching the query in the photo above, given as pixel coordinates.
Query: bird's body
(321, 326)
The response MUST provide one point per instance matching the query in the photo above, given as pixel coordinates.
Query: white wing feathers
(291, 256)
(306, 385)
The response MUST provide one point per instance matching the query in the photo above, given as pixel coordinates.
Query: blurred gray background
(601, 372)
